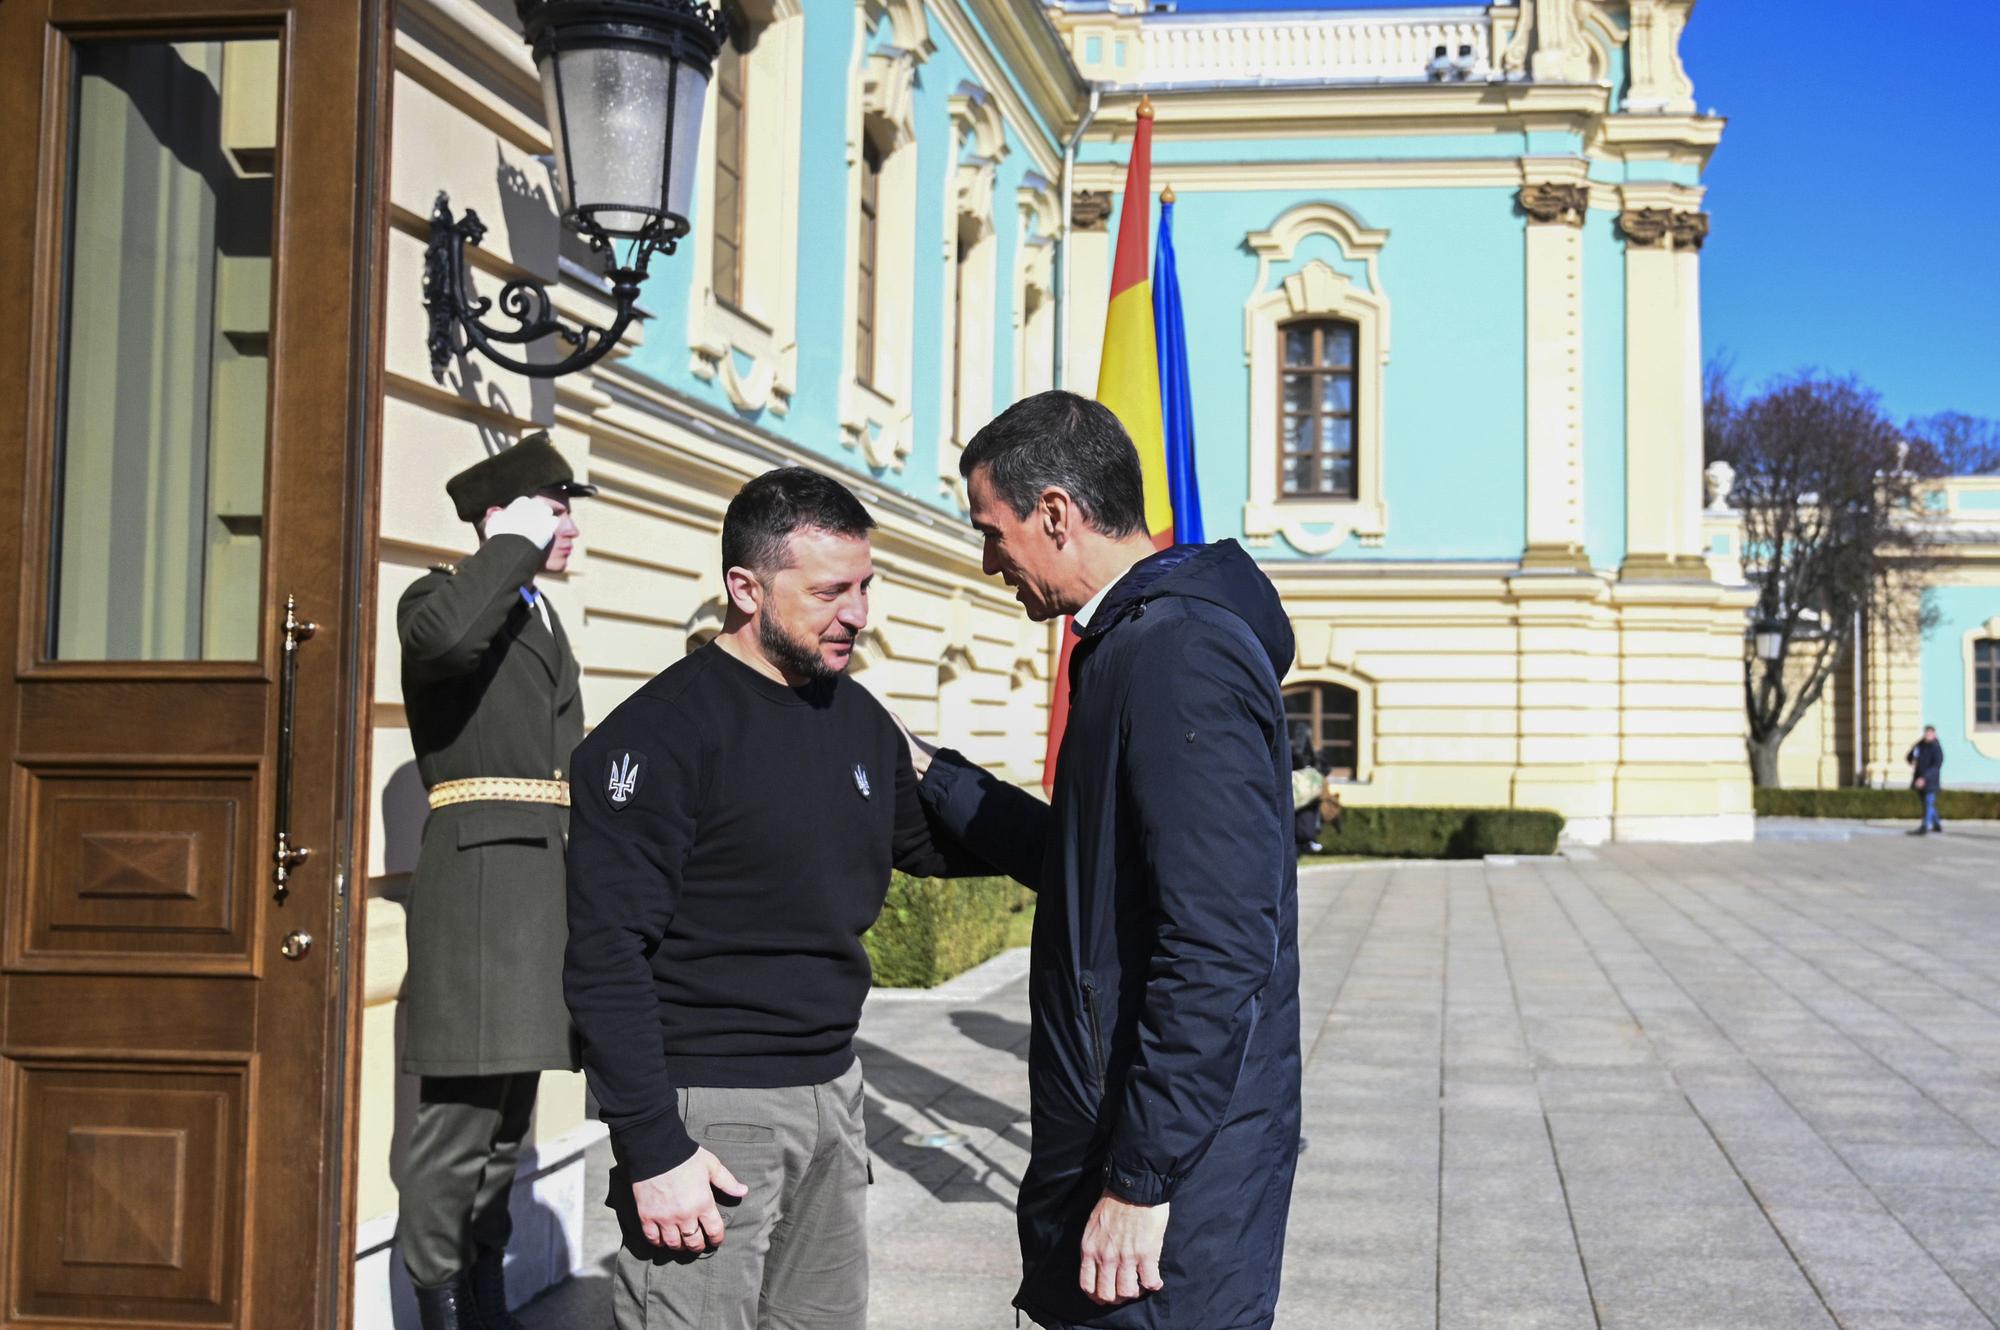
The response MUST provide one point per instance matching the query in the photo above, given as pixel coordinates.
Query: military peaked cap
(529, 467)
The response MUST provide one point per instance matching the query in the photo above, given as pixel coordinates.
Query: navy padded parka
(1164, 1061)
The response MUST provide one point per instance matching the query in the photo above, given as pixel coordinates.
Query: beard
(796, 656)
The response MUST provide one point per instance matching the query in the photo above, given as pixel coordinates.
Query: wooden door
(191, 230)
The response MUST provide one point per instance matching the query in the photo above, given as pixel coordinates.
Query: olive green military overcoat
(490, 691)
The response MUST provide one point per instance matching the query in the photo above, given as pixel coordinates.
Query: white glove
(526, 516)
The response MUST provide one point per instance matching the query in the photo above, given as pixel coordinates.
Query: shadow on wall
(533, 233)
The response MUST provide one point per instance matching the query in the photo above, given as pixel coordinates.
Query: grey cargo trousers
(794, 1254)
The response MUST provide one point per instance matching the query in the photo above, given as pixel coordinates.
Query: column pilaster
(1554, 390)
(1663, 443)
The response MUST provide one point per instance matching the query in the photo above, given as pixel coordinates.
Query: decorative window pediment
(1288, 291)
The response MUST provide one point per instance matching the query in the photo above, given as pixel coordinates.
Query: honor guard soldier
(490, 687)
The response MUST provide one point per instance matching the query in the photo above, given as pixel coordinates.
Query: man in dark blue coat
(1164, 1067)
(1926, 759)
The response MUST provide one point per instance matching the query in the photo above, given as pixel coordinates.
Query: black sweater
(719, 889)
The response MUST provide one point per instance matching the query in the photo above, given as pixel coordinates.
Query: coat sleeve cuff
(649, 1148)
(1136, 1185)
(950, 787)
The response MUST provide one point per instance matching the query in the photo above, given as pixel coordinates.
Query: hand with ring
(677, 1209)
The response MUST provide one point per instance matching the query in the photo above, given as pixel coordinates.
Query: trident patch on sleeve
(621, 785)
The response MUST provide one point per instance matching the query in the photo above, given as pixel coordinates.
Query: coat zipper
(1096, 1034)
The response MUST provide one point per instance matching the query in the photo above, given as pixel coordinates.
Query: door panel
(183, 446)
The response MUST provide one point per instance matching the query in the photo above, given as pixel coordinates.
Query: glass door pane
(165, 374)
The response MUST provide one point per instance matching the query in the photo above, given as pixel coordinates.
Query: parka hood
(1222, 574)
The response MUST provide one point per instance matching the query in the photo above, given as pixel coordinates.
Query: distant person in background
(1927, 761)
(1308, 785)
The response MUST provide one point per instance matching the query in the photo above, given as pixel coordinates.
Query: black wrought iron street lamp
(623, 84)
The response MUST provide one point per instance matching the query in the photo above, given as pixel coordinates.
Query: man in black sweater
(733, 826)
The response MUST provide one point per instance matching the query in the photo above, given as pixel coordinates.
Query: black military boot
(449, 1306)
(489, 1291)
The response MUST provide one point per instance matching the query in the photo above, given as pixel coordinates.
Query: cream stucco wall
(946, 647)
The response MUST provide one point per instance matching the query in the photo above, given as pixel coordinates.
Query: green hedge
(931, 930)
(1444, 833)
(1859, 803)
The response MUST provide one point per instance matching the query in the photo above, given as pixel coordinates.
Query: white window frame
(875, 409)
(752, 350)
(1315, 525)
(978, 143)
(1985, 739)
(1034, 287)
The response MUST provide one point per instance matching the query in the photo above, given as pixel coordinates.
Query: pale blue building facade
(1497, 548)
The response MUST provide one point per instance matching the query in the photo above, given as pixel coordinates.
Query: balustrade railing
(1331, 48)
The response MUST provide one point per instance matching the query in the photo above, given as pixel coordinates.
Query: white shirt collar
(1082, 616)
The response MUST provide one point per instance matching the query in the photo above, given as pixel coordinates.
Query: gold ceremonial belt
(509, 789)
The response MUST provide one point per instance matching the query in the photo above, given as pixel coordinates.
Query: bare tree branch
(1834, 523)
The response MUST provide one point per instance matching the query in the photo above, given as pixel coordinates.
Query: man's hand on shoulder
(677, 1209)
(1121, 1251)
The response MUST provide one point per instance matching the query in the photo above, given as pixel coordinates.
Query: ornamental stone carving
(1548, 203)
(1646, 226)
(1653, 226)
(1090, 209)
(1690, 229)
(1721, 479)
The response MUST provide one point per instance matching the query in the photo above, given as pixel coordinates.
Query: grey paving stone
(1670, 1087)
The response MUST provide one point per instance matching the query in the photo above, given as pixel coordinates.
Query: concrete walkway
(1746, 1087)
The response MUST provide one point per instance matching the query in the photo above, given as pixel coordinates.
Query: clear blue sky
(1856, 194)
(1855, 197)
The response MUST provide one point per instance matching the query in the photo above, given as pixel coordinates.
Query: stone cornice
(1685, 139)
(1336, 111)
(1053, 90)
(1029, 45)
(1408, 173)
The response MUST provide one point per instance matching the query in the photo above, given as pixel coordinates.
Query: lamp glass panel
(609, 107)
(690, 96)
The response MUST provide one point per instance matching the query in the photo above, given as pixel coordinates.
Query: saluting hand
(1121, 1251)
(529, 516)
(677, 1208)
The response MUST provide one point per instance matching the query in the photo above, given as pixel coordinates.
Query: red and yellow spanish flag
(1128, 381)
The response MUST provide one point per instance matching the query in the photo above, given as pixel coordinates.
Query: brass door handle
(288, 856)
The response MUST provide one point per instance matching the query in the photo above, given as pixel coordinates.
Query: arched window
(1316, 454)
(1329, 713)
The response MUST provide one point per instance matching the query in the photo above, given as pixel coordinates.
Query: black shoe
(489, 1292)
(448, 1306)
